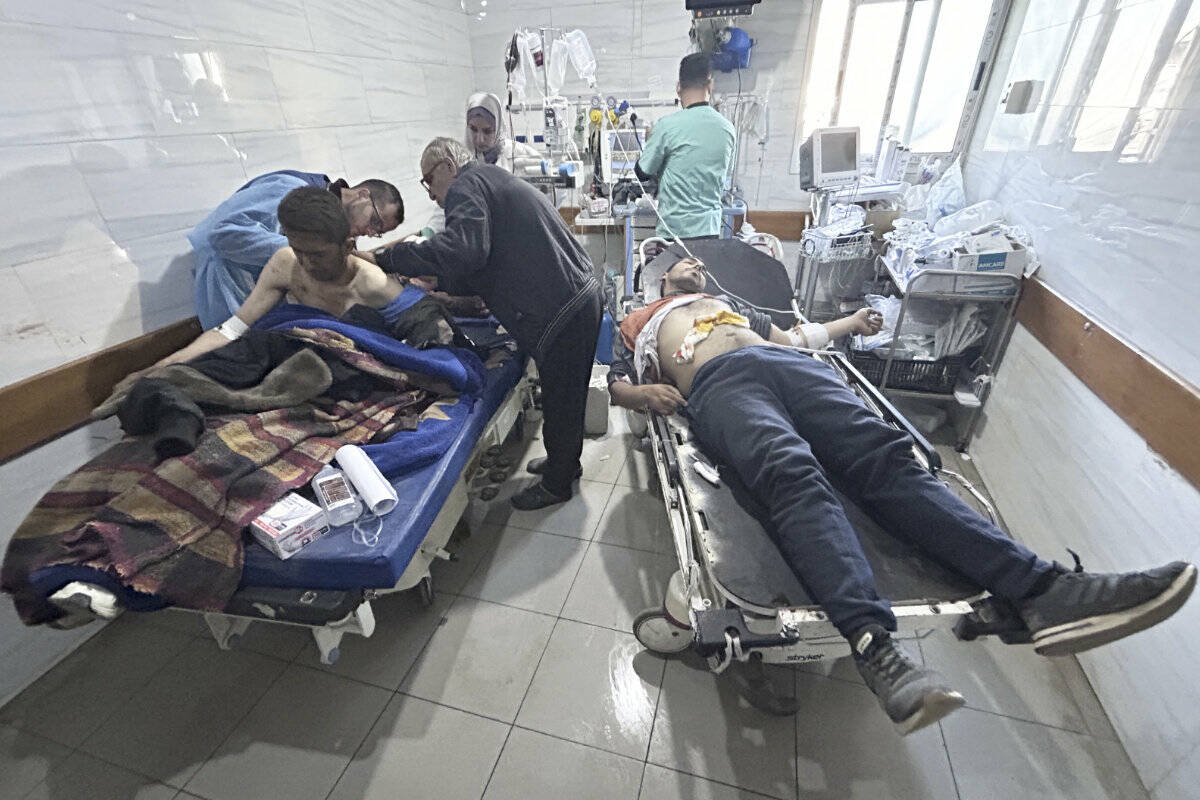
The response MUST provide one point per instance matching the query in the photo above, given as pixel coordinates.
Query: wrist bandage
(811, 335)
(232, 328)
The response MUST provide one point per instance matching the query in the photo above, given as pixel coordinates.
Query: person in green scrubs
(690, 153)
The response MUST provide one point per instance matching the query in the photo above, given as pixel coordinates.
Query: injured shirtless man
(319, 270)
(791, 429)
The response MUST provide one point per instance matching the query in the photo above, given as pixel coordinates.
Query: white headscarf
(491, 104)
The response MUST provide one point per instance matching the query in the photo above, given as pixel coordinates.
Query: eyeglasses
(376, 223)
(428, 176)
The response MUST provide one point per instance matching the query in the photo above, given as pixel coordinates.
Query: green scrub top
(690, 151)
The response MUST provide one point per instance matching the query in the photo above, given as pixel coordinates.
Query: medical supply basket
(844, 265)
(964, 379)
(938, 376)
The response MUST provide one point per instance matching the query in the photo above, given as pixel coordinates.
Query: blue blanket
(441, 424)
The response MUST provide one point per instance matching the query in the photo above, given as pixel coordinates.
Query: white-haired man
(506, 242)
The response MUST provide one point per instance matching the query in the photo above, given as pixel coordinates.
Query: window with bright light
(909, 66)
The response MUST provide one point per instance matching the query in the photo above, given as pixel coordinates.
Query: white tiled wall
(638, 45)
(126, 121)
(1117, 234)
(1117, 231)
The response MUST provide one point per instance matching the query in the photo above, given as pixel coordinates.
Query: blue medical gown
(237, 239)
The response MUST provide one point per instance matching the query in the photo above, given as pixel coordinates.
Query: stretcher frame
(701, 614)
(331, 614)
(723, 627)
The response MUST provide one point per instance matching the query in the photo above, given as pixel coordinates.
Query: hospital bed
(733, 597)
(329, 585)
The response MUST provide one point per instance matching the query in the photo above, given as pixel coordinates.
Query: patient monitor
(619, 151)
(829, 158)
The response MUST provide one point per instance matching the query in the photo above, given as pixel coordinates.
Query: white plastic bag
(916, 200)
(947, 195)
(970, 219)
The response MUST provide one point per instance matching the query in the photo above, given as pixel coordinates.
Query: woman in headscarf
(485, 137)
(486, 141)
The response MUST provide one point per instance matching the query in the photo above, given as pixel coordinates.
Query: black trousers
(791, 429)
(565, 370)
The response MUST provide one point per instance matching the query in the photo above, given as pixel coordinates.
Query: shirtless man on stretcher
(319, 269)
(791, 428)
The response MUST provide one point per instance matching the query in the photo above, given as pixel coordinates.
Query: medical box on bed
(289, 525)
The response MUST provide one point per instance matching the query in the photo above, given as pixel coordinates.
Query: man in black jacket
(506, 242)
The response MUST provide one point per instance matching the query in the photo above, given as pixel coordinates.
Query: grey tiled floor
(523, 681)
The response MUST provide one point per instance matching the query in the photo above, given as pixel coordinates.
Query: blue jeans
(787, 423)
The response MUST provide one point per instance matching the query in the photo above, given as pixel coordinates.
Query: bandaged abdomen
(701, 328)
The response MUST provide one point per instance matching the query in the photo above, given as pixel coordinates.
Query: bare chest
(337, 299)
(722, 339)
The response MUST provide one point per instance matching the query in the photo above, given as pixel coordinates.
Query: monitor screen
(839, 151)
(625, 140)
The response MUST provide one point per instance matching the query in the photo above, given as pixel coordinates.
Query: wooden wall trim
(37, 409)
(787, 225)
(1161, 406)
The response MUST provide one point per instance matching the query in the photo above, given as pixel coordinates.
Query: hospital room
(599, 400)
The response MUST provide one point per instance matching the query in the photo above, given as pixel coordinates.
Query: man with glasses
(506, 242)
(235, 241)
(317, 267)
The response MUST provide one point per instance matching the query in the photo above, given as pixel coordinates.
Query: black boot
(537, 466)
(1081, 610)
(912, 696)
(537, 496)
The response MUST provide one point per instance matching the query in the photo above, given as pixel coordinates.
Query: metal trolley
(844, 265)
(963, 381)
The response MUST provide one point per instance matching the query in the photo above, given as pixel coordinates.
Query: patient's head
(316, 227)
(686, 276)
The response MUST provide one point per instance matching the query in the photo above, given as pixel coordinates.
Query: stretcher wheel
(659, 634)
(425, 591)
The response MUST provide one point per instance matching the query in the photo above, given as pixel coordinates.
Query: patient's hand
(462, 306)
(866, 321)
(662, 397)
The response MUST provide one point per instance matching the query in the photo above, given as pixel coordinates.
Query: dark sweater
(505, 241)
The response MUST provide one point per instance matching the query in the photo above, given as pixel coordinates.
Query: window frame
(982, 73)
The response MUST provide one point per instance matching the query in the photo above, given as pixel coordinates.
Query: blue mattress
(336, 561)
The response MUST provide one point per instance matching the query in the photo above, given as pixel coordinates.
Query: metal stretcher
(734, 598)
(328, 586)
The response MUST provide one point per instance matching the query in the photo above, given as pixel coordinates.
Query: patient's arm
(661, 397)
(865, 321)
(270, 288)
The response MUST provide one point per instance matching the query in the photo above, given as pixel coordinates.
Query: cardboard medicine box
(289, 525)
(1009, 262)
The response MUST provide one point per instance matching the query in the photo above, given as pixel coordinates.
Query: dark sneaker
(1082, 610)
(538, 467)
(912, 696)
(535, 497)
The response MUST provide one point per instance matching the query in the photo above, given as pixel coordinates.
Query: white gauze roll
(378, 495)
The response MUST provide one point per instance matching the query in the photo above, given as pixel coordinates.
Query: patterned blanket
(174, 528)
